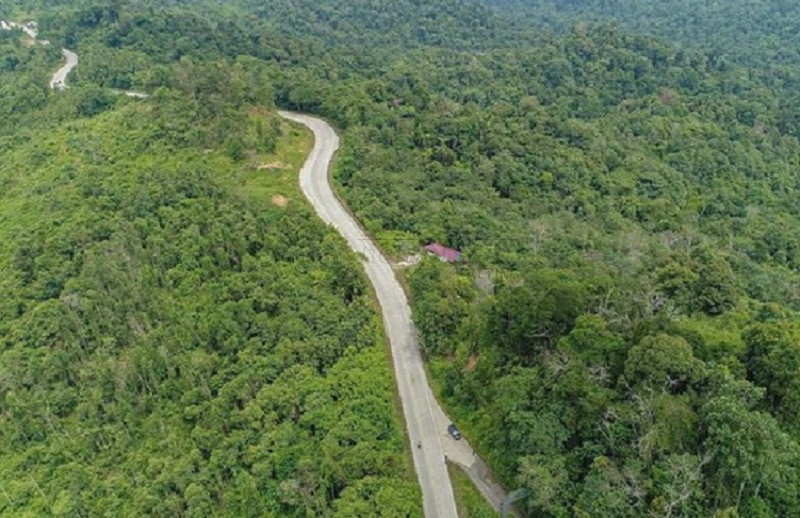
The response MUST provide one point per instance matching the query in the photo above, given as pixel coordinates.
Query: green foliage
(620, 337)
(471, 504)
(528, 318)
(773, 362)
(752, 32)
(750, 455)
(663, 362)
(615, 200)
(172, 342)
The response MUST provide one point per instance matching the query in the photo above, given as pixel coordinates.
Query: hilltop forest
(179, 334)
(744, 31)
(622, 336)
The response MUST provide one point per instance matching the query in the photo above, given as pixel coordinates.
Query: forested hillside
(748, 31)
(622, 338)
(179, 335)
(622, 335)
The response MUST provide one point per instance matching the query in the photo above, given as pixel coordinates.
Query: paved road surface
(425, 420)
(59, 80)
(7, 26)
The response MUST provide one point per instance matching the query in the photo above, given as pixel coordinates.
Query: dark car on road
(453, 431)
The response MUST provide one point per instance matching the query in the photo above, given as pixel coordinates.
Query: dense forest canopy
(173, 340)
(751, 31)
(622, 336)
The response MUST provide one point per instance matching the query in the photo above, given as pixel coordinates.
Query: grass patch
(469, 501)
(265, 183)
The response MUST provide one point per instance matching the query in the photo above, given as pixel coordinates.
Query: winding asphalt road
(59, 80)
(437, 492)
(426, 422)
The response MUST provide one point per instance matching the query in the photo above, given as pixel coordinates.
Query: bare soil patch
(472, 363)
(280, 201)
(272, 166)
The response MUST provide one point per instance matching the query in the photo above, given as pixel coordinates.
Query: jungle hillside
(621, 336)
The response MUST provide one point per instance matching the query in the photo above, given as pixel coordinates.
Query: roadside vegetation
(179, 334)
(469, 500)
(622, 335)
(759, 34)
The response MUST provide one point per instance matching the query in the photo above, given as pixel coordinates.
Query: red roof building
(444, 253)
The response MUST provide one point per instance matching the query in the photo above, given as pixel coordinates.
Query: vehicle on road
(419, 405)
(454, 432)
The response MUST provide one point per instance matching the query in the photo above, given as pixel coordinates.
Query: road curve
(425, 420)
(415, 394)
(59, 80)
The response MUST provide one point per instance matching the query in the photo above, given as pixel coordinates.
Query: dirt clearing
(280, 201)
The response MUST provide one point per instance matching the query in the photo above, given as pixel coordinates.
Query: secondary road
(426, 422)
(8, 26)
(59, 80)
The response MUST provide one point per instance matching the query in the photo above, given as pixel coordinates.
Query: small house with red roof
(444, 253)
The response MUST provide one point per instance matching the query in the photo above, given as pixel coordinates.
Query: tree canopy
(173, 342)
(621, 335)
